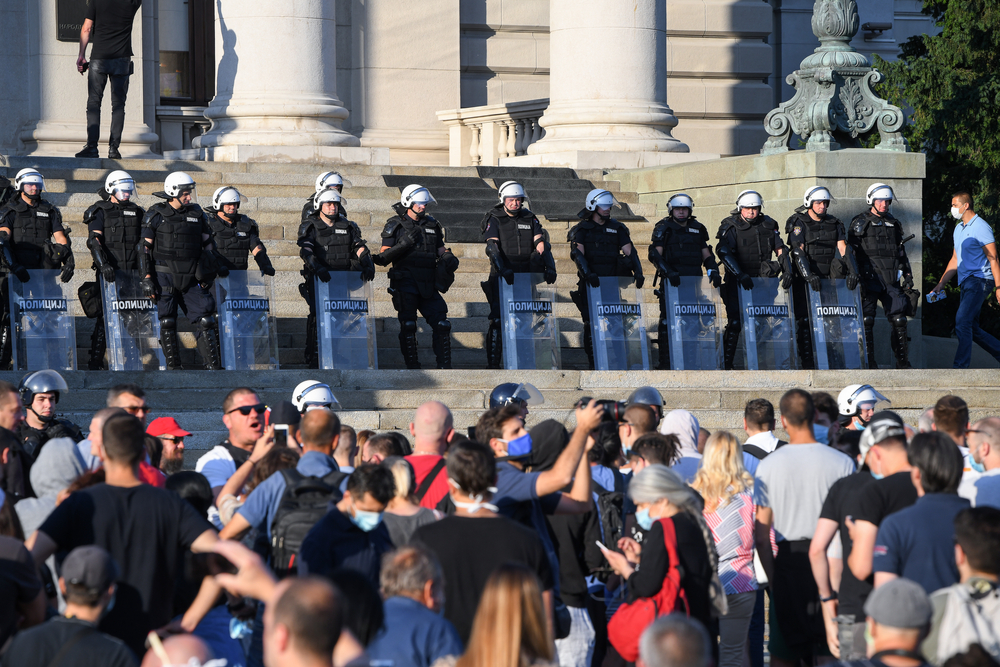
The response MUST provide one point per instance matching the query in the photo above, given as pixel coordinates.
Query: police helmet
(511, 189)
(512, 392)
(853, 395)
(679, 200)
(878, 191)
(329, 180)
(120, 185)
(227, 194)
(28, 176)
(647, 396)
(41, 382)
(749, 199)
(816, 193)
(598, 198)
(176, 183)
(313, 394)
(416, 194)
(327, 196)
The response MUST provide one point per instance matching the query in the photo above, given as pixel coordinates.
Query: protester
(346, 449)
(826, 423)
(684, 425)
(984, 451)
(286, 419)
(403, 515)
(172, 436)
(674, 640)
(90, 448)
(58, 464)
(652, 449)
(249, 476)
(640, 419)
(432, 429)
(897, 615)
(380, 447)
(131, 398)
(21, 592)
(15, 463)
(184, 650)
(758, 423)
(192, 487)
(951, 417)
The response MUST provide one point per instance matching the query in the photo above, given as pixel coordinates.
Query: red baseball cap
(166, 426)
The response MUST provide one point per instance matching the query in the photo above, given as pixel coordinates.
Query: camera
(613, 411)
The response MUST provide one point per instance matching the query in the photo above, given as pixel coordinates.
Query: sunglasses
(136, 409)
(245, 410)
(170, 438)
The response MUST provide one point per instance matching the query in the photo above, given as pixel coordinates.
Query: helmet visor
(123, 189)
(528, 393)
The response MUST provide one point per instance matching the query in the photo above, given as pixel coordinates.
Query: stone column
(276, 84)
(608, 79)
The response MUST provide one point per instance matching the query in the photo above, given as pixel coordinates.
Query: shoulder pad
(88, 215)
(835, 219)
(571, 235)
(353, 225)
(769, 223)
(660, 230)
(304, 228)
(195, 209)
(391, 225)
(693, 223)
(860, 223)
(725, 226)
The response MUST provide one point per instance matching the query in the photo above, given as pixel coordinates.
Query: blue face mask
(643, 519)
(877, 475)
(821, 433)
(976, 465)
(366, 521)
(519, 447)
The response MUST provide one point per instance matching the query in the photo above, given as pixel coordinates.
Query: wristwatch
(832, 596)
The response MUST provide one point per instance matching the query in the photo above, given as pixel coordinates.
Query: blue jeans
(974, 293)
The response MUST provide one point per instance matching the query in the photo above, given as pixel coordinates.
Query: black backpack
(305, 501)
(611, 510)
(760, 454)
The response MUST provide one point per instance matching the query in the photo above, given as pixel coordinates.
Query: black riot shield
(247, 330)
(768, 326)
(618, 326)
(131, 325)
(838, 333)
(696, 324)
(345, 328)
(530, 333)
(42, 326)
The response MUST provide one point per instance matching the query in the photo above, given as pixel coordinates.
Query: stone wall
(14, 80)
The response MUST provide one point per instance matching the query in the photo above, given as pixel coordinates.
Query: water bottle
(239, 629)
(934, 297)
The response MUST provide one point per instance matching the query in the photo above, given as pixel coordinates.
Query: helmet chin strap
(44, 420)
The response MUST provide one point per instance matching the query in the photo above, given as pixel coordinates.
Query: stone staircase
(275, 194)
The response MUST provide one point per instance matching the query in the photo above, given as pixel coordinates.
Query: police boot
(663, 340)
(311, 353)
(870, 341)
(730, 340)
(588, 345)
(441, 340)
(803, 335)
(408, 343)
(169, 344)
(900, 342)
(98, 346)
(494, 349)
(208, 344)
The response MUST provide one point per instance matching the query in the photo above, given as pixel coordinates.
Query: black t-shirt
(19, 583)
(574, 539)
(112, 36)
(145, 530)
(886, 496)
(38, 646)
(469, 550)
(842, 501)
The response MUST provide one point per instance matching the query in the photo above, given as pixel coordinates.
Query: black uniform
(601, 257)
(114, 233)
(416, 280)
(183, 268)
(326, 247)
(877, 242)
(746, 250)
(310, 206)
(32, 439)
(235, 242)
(683, 255)
(514, 250)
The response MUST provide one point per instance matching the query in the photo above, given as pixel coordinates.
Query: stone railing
(483, 135)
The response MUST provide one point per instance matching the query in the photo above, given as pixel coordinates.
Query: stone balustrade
(481, 136)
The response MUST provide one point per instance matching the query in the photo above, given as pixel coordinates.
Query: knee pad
(207, 323)
(869, 322)
(444, 326)
(407, 327)
(168, 323)
(898, 320)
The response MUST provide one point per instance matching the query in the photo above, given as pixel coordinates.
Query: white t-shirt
(217, 466)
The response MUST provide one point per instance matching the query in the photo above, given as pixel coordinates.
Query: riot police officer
(877, 239)
(598, 255)
(817, 243)
(40, 392)
(328, 180)
(679, 247)
(515, 243)
(235, 235)
(422, 269)
(328, 241)
(32, 236)
(178, 265)
(747, 240)
(114, 228)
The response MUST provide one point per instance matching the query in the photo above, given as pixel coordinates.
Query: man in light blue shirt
(984, 451)
(975, 261)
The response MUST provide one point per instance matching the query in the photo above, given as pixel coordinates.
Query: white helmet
(416, 194)
(28, 176)
(119, 183)
(328, 180)
(176, 183)
(227, 194)
(879, 191)
(680, 200)
(511, 189)
(327, 196)
(749, 199)
(598, 198)
(313, 394)
(853, 395)
(816, 193)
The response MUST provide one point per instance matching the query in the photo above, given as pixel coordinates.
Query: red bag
(631, 619)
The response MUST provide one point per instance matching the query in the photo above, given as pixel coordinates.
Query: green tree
(950, 82)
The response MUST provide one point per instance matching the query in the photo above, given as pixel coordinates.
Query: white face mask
(955, 213)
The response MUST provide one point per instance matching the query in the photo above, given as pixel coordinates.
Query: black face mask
(603, 217)
(420, 216)
(35, 197)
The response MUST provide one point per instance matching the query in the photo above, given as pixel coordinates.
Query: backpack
(758, 453)
(611, 510)
(970, 617)
(304, 502)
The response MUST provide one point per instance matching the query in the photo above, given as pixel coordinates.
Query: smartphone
(204, 565)
(602, 546)
(281, 435)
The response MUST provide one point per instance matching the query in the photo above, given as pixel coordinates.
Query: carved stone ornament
(834, 105)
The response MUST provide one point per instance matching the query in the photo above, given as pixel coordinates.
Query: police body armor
(31, 230)
(682, 248)
(600, 245)
(33, 439)
(122, 232)
(516, 234)
(879, 239)
(334, 245)
(232, 241)
(420, 264)
(177, 246)
(753, 242)
(820, 240)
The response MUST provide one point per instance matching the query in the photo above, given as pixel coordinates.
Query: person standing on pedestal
(422, 269)
(328, 180)
(178, 265)
(877, 240)
(515, 243)
(817, 243)
(601, 247)
(114, 227)
(109, 25)
(975, 261)
(328, 241)
(679, 248)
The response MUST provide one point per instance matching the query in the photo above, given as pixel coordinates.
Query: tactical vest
(30, 230)
(334, 244)
(232, 241)
(753, 241)
(122, 233)
(177, 245)
(879, 239)
(600, 245)
(682, 245)
(516, 236)
(420, 263)
(820, 240)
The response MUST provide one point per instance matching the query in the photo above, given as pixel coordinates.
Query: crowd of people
(835, 531)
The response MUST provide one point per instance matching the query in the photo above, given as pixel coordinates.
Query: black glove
(221, 270)
(150, 288)
(322, 274)
(414, 236)
(21, 273)
(367, 273)
(508, 276)
(674, 278)
(814, 282)
(264, 263)
(550, 275)
(66, 274)
(715, 278)
(907, 282)
(746, 282)
(852, 281)
(786, 280)
(108, 272)
(593, 280)
(640, 280)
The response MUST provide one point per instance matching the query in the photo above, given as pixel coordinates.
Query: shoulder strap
(431, 476)
(68, 646)
(673, 571)
(781, 443)
(755, 451)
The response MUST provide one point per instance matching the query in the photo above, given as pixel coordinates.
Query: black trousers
(407, 303)
(118, 71)
(892, 298)
(196, 301)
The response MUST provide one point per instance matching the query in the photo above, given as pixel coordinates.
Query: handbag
(627, 625)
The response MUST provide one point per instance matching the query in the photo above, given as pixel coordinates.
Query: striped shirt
(732, 527)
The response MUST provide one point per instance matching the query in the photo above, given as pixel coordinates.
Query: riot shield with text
(838, 333)
(768, 326)
(43, 328)
(346, 330)
(131, 325)
(530, 333)
(247, 330)
(618, 326)
(695, 316)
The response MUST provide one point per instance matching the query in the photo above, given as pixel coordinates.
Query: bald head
(432, 427)
(179, 649)
(304, 624)
(319, 431)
